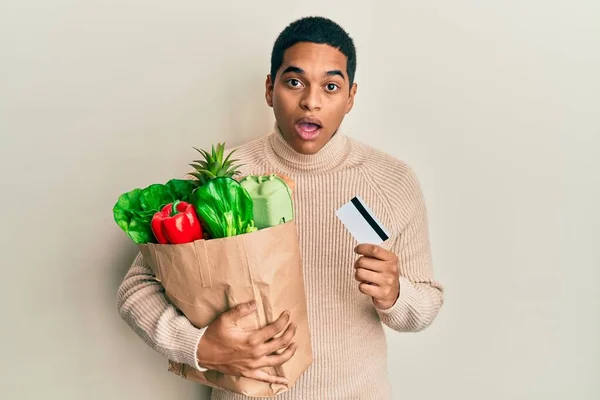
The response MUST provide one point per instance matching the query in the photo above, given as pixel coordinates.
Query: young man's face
(310, 95)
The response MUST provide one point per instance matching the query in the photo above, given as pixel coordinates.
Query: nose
(311, 99)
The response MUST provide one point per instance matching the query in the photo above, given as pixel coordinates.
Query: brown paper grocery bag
(207, 277)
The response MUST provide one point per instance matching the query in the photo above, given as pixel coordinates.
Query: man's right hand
(227, 348)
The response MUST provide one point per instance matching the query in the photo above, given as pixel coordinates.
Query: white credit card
(361, 222)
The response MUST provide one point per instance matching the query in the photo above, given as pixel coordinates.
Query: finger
(370, 290)
(269, 331)
(372, 264)
(368, 276)
(374, 251)
(279, 359)
(240, 311)
(281, 342)
(260, 375)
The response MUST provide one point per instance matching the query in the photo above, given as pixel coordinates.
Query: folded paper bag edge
(202, 262)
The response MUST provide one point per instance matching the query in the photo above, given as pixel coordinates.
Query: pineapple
(214, 166)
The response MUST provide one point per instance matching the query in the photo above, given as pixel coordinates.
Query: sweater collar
(330, 157)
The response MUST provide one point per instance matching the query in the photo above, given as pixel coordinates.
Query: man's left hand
(378, 274)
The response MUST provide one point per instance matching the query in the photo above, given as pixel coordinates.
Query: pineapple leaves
(214, 165)
(219, 155)
(205, 173)
(227, 158)
(200, 164)
(197, 175)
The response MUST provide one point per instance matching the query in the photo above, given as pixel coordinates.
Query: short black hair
(319, 30)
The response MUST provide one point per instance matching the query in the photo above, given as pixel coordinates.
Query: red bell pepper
(176, 223)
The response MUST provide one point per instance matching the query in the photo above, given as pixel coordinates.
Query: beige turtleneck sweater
(349, 345)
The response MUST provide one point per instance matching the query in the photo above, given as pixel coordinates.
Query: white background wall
(495, 104)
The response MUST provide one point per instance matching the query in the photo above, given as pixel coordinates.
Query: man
(352, 289)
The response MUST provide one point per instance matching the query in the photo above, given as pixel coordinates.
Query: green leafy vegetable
(134, 210)
(155, 196)
(225, 207)
(182, 188)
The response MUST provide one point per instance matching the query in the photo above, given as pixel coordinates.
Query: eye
(332, 87)
(294, 82)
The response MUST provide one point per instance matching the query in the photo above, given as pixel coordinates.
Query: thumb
(241, 310)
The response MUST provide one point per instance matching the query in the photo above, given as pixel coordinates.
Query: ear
(269, 91)
(350, 104)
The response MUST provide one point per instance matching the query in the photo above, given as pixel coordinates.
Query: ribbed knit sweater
(349, 344)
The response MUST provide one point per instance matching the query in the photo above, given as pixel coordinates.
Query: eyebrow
(300, 71)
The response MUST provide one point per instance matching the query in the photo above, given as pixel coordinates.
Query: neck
(332, 156)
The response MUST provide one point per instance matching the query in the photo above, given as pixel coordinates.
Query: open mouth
(308, 128)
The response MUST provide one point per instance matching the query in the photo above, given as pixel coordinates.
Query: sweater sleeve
(421, 296)
(144, 306)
